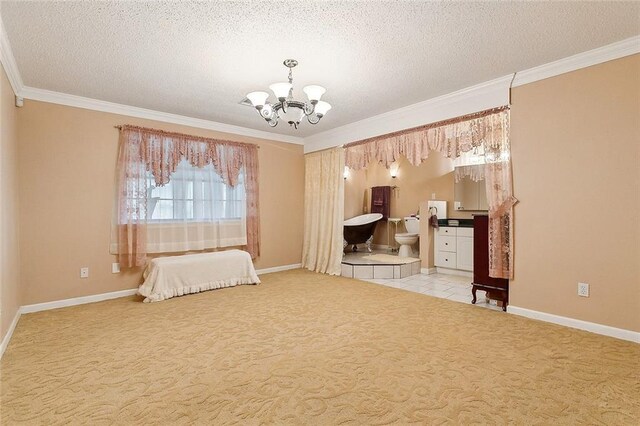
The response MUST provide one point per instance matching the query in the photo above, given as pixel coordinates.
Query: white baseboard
(279, 268)
(26, 309)
(37, 307)
(618, 333)
(454, 272)
(7, 337)
(428, 271)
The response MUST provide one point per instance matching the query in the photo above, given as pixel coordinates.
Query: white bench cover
(167, 277)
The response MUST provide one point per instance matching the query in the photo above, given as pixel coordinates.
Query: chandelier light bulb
(258, 99)
(322, 108)
(314, 92)
(281, 90)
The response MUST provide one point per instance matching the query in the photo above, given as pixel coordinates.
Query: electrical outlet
(84, 272)
(115, 268)
(583, 289)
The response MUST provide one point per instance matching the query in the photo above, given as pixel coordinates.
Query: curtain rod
(323, 150)
(448, 121)
(184, 135)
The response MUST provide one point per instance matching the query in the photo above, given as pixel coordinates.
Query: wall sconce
(393, 170)
(346, 172)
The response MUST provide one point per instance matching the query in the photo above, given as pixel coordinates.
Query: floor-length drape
(323, 211)
(499, 189)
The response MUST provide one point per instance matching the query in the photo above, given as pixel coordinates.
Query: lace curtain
(323, 211)
(177, 192)
(487, 130)
(475, 172)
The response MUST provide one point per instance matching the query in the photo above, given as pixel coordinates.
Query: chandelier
(286, 108)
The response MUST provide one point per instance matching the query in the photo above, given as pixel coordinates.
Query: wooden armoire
(496, 288)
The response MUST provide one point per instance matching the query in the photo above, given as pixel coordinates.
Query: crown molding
(131, 111)
(472, 99)
(627, 47)
(11, 68)
(9, 62)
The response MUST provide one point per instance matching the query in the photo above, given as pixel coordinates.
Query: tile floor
(451, 287)
(446, 286)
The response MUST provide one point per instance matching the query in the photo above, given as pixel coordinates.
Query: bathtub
(359, 230)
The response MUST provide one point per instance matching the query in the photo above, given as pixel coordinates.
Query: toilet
(409, 238)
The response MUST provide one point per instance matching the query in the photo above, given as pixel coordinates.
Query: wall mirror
(470, 195)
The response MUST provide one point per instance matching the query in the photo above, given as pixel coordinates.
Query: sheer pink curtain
(475, 172)
(499, 189)
(131, 219)
(144, 150)
(487, 129)
(250, 161)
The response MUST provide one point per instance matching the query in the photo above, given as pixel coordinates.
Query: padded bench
(167, 277)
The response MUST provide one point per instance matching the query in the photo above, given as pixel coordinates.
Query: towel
(433, 221)
(381, 200)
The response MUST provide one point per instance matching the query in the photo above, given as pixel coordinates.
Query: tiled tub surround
(354, 265)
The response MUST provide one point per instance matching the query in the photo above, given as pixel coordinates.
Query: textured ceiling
(200, 58)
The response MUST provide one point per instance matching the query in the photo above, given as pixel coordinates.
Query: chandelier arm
(274, 121)
(313, 122)
(308, 111)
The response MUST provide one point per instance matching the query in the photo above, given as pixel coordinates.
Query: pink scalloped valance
(144, 150)
(488, 129)
(449, 137)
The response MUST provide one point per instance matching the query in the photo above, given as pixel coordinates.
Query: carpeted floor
(305, 348)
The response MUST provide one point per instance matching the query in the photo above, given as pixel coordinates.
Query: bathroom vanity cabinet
(454, 248)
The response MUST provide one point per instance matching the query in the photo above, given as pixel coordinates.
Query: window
(193, 209)
(195, 194)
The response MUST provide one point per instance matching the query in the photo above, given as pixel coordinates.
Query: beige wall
(67, 162)
(9, 247)
(354, 187)
(576, 163)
